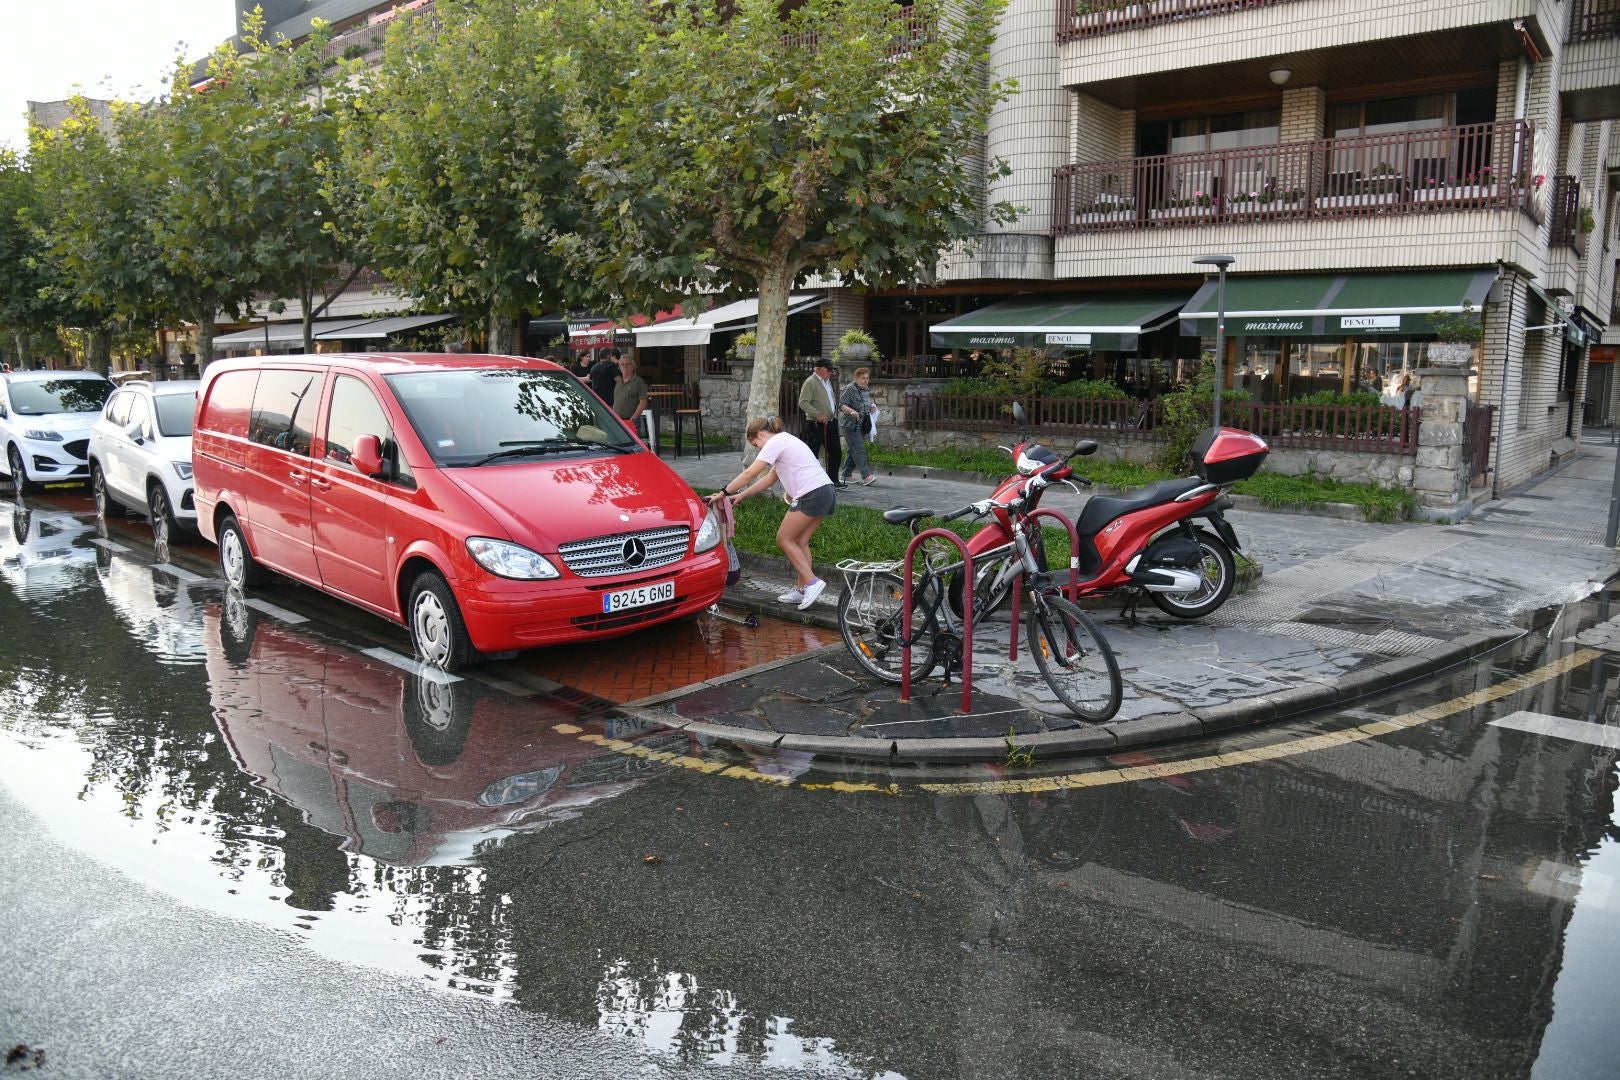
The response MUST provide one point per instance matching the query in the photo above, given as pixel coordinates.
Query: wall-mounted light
(1280, 75)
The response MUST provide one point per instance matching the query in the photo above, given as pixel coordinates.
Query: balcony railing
(1591, 20)
(907, 29)
(1089, 18)
(1565, 215)
(1472, 167)
(1377, 428)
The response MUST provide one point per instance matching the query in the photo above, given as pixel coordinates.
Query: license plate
(640, 596)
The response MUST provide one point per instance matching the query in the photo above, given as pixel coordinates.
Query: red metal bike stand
(967, 615)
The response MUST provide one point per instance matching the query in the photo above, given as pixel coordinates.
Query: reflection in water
(1432, 901)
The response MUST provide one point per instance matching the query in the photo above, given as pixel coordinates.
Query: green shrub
(1086, 389)
(1336, 397)
(977, 385)
(1187, 412)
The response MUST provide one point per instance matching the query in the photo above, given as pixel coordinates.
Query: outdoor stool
(697, 426)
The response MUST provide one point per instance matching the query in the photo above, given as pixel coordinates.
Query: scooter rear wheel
(1219, 571)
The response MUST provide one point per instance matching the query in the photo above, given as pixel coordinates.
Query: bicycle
(1071, 653)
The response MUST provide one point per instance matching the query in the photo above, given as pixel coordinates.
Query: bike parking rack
(967, 615)
(1072, 592)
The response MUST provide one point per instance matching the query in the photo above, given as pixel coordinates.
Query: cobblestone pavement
(1344, 609)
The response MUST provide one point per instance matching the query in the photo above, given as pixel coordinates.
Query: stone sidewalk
(1344, 609)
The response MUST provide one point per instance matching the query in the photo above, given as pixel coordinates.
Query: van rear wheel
(438, 633)
(241, 569)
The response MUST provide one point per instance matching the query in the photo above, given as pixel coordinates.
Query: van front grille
(625, 553)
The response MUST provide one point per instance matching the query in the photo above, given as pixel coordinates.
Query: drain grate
(1385, 643)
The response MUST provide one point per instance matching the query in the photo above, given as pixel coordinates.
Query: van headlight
(42, 435)
(708, 534)
(510, 560)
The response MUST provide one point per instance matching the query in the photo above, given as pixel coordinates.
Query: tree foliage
(732, 146)
(459, 146)
(25, 267)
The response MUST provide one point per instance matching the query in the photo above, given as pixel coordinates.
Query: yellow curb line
(1103, 777)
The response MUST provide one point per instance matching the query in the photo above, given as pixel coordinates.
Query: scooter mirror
(1084, 447)
(1018, 416)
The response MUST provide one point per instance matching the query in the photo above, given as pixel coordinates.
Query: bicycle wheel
(1074, 657)
(870, 618)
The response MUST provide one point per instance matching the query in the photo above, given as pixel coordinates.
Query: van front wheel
(438, 633)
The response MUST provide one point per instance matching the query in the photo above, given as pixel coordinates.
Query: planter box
(1383, 198)
(1094, 218)
(744, 352)
(854, 352)
(1254, 206)
(1182, 213)
(1455, 193)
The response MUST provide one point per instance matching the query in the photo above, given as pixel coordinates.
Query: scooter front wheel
(1219, 572)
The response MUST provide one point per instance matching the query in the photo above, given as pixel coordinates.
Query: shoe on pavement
(811, 591)
(792, 596)
(869, 481)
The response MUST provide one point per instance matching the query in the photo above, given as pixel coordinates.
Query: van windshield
(59, 396)
(475, 416)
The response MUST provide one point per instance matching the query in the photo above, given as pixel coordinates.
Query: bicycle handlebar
(964, 512)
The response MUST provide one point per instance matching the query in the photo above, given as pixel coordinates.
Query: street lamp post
(1221, 262)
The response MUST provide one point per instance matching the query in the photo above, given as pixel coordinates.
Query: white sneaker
(811, 591)
(792, 596)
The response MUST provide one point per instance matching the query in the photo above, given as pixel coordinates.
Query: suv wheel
(164, 526)
(19, 472)
(106, 505)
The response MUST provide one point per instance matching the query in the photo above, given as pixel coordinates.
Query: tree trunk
(205, 340)
(98, 350)
(770, 346)
(22, 350)
(306, 298)
(505, 336)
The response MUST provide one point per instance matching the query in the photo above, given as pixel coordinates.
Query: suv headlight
(41, 435)
(183, 468)
(510, 560)
(708, 534)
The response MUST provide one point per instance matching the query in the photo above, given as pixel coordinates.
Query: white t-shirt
(795, 465)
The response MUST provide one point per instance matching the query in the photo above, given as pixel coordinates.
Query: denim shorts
(819, 502)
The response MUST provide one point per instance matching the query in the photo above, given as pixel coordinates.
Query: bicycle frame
(967, 614)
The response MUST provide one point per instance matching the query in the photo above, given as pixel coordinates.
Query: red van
(488, 503)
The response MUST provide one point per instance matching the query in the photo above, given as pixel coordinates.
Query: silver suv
(140, 455)
(45, 419)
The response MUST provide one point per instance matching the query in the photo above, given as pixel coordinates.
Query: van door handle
(320, 483)
(297, 476)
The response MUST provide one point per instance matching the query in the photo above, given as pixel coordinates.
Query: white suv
(140, 454)
(45, 419)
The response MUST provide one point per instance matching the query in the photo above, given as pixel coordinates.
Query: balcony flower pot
(1174, 213)
(1446, 193)
(1103, 217)
(1380, 198)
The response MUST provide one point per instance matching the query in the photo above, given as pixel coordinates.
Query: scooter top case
(1226, 455)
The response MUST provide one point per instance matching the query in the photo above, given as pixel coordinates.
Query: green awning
(1555, 314)
(1392, 303)
(1107, 321)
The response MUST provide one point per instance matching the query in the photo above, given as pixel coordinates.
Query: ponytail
(772, 424)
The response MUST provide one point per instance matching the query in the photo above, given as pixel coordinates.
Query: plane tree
(732, 146)
(460, 152)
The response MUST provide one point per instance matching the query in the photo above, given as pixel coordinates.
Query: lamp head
(1222, 261)
(1280, 75)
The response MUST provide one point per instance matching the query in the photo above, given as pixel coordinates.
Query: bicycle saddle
(901, 515)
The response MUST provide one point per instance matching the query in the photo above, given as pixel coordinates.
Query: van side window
(118, 408)
(284, 409)
(354, 412)
(230, 400)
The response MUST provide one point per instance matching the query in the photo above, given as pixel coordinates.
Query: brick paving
(669, 657)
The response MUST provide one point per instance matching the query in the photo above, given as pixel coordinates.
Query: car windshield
(473, 416)
(175, 413)
(59, 396)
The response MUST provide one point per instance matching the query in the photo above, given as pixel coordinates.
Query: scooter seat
(1101, 509)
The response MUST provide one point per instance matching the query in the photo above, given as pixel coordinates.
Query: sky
(51, 49)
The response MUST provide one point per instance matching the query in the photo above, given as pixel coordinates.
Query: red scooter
(1145, 540)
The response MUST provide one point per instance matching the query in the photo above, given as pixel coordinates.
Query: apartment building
(1367, 163)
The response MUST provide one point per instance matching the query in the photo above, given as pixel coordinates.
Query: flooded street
(247, 836)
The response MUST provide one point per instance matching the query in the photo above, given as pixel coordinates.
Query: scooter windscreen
(1033, 457)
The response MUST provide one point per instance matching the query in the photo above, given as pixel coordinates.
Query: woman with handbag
(856, 411)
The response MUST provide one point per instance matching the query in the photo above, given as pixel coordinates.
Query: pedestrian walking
(818, 404)
(807, 488)
(630, 398)
(856, 411)
(604, 374)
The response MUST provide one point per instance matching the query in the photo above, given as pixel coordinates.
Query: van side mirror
(366, 456)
